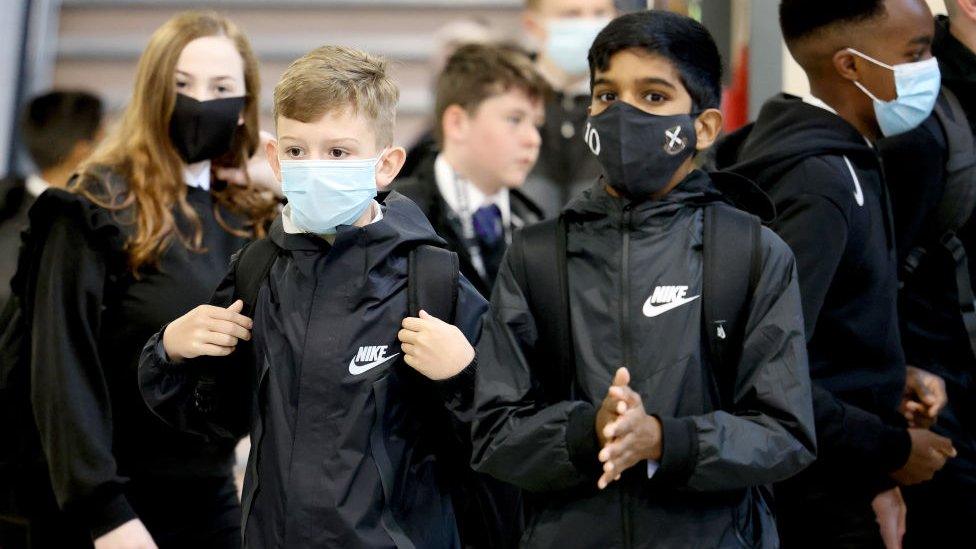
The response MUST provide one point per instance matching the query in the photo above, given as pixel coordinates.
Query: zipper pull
(720, 330)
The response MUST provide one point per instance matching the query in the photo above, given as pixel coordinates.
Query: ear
(535, 27)
(271, 151)
(455, 123)
(708, 126)
(845, 63)
(390, 166)
(967, 7)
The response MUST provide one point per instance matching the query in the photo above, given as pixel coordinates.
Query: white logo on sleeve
(666, 298)
(369, 357)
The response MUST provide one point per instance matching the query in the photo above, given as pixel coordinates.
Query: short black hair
(54, 122)
(801, 18)
(679, 39)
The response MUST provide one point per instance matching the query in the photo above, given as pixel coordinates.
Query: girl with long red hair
(141, 236)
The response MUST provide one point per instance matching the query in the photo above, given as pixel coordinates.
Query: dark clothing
(833, 211)
(425, 147)
(566, 166)
(958, 65)
(933, 332)
(15, 202)
(91, 319)
(341, 456)
(423, 190)
(705, 493)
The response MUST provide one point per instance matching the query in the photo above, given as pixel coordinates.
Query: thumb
(944, 445)
(621, 378)
(424, 315)
(236, 306)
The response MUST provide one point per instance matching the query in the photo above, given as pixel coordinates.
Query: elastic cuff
(679, 450)
(895, 446)
(581, 440)
(459, 388)
(113, 513)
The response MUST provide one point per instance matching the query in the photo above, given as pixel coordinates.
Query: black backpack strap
(429, 271)
(732, 266)
(540, 255)
(254, 264)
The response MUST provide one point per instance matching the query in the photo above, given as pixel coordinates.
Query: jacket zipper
(626, 221)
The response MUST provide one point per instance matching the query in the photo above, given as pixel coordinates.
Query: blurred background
(94, 45)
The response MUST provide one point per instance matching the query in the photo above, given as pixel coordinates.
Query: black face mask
(202, 130)
(640, 152)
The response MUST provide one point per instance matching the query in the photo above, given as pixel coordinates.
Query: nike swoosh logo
(651, 311)
(355, 369)
(858, 191)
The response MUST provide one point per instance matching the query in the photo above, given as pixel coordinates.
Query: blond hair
(333, 79)
(141, 152)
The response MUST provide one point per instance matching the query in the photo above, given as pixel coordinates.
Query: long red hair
(140, 151)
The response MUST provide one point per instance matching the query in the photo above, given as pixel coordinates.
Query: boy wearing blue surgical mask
(640, 376)
(346, 423)
(872, 75)
(561, 31)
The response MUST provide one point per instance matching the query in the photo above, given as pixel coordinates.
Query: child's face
(652, 84)
(339, 135)
(501, 138)
(210, 68)
(643, 80)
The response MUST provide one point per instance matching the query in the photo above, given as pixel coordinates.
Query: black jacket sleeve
(768, 435)
(816, 229)
(209, 396)
(69, 392)
(517, 439)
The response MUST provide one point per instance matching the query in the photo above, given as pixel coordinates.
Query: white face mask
(918, 86)
(568, 41)
(324, 194)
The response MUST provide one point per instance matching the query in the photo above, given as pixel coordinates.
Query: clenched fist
(433, 347)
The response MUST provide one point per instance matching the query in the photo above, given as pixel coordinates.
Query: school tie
(487, 221)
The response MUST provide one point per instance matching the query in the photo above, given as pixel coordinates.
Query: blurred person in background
(60, 130)
(140, 237)
(489, 108)
(447, 40)
(561, 32)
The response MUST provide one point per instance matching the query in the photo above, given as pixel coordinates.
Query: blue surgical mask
(324, 194)
(918, 86)
(569, 39)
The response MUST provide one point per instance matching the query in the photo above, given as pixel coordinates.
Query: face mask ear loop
(876, 62)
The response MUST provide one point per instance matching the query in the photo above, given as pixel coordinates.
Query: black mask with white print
(640, 152)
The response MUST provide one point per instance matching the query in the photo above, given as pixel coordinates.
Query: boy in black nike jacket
(344, 430)
(871, 74)
(674, 454)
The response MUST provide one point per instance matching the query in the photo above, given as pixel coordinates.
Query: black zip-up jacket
(705, 492)
(833, 211)
(344, 443)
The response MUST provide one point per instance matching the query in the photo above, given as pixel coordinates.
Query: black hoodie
(832, 209)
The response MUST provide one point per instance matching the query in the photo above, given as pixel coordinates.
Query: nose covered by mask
(640, 152)
(324, 194)
(918, 85)
(201, 130)
(568, 42)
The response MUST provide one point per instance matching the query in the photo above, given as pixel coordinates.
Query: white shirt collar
(289, 226)
(36, 185)
(448, 187)
(198, 175)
